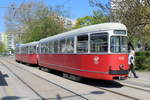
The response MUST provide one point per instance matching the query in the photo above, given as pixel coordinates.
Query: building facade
(11, 41)
(3, 39)
(8, 40)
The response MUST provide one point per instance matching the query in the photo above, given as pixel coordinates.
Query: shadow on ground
(92, 82)
(102, 83)
(2, 79)
(11, 98)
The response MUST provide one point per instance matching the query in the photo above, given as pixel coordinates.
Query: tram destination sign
(121, 32)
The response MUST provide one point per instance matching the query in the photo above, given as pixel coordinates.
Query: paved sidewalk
(143, 79)
(144, 75)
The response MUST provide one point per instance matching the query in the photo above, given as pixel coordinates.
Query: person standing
(131, 62)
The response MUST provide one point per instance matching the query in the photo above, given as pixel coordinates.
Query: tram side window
(30, 49)
(70, 45)
(21, 50)
(56, 47)
(46, 48)
(82, 44)
(34, 49)
(42, 48)
(17, 50)
(26, 49)
(51, 46)
(62, 46)
(99, 42)
(37, 49)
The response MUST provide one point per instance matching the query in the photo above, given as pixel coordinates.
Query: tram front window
(118, 44)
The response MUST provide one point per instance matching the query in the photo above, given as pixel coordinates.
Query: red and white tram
(96, 51)
(27, 53)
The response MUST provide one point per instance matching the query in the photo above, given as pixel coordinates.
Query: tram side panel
(105, 66)
(22, 58)
(17, 57)
(32, 58)
(27, 58)
(87, 65)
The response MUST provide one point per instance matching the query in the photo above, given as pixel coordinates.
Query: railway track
(124, 85)
(135, 87)
(112, 91)
(143, 80)
(40, 96)
(102, 88)
(138, 82)
(124, 95)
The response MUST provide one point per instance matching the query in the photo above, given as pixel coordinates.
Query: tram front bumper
(118, 72)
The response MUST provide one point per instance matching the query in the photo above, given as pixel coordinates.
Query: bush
(143, 53)
(142, 60)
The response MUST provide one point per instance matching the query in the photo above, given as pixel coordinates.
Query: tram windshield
(118, 44)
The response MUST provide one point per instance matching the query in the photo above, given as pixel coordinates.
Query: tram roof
(29, 44)
(91, 28)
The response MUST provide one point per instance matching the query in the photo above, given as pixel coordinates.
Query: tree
(34, 20)
(144, 37)
(135, 14)
(97, 18)
(84, 21)
(42, 28)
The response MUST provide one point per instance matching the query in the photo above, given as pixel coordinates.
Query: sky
(76, 8)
